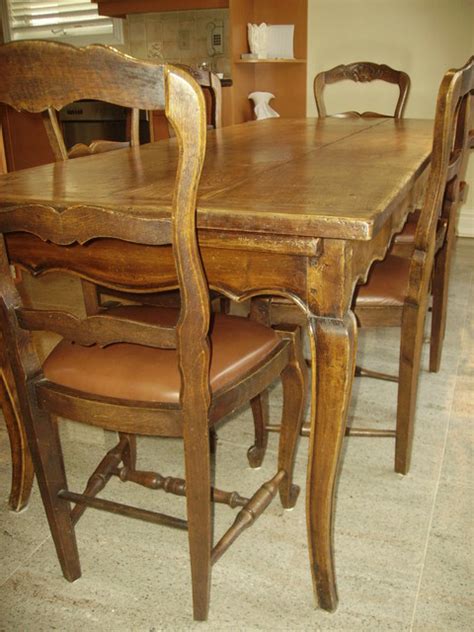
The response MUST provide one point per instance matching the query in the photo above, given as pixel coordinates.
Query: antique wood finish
(450, 142)
(3, 158)
(446, 236)
(450, 136)
(212, 91)
(363, 72)
(404, 245)
(71, 228)
(101, 330)
(283, 209)
(22, 467)
(433, 240)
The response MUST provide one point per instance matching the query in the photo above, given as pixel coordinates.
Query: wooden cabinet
(120, 8)
(25, 138)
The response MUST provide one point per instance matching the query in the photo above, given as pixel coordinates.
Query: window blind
(60, 19)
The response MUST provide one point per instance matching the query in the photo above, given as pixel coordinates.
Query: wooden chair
(398, 290)
(134, 369)
(404, 245)
(22, 467)
(363, 72)
(357, 72)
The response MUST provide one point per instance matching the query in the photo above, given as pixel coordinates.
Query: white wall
(422, 37)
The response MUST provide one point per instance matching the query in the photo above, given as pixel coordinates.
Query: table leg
(331, 384)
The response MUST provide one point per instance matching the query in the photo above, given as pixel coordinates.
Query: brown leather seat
(130, 371)
(387, 283)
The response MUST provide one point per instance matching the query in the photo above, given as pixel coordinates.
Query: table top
(336, 178)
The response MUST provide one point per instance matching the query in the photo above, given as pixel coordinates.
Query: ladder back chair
(361, 72)
(397, 291)
(404, 245)
(136, 370)
(357, 72)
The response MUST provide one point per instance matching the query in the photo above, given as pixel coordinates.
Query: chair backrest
(363, 72)
(212, 89)
(39, 76)
(210, 81)
(451, 140)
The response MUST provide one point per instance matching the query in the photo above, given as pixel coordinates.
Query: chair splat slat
(101, 329)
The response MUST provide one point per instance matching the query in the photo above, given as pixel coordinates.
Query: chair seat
(135, 372)
(387, 284)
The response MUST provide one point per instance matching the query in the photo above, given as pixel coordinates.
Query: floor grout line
(435, 495)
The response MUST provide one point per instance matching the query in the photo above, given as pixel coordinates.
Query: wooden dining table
(297, 208)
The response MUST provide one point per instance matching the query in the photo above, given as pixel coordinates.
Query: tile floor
(403, 544)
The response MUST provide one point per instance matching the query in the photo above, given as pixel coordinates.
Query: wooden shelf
(270, 61)
(285, 78)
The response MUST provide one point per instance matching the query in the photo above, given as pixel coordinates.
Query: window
(65, 20)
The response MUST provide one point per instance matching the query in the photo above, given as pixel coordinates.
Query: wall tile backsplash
(187, 37)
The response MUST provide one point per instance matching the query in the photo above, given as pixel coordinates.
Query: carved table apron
(299, 208)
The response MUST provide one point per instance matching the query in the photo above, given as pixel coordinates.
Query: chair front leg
(260, 412)
(260, 313)
(22, 466)
(295, 388)
(45, 448)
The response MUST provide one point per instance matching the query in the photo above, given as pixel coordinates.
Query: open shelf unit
(270, 61)
(285, 78)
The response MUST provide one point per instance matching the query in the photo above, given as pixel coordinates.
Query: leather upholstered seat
(136, 372)
(387, 284)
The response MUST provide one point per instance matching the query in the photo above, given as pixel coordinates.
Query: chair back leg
(439, 290)
(295, 388)
(411, 344)
(198, 504)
